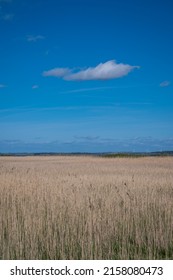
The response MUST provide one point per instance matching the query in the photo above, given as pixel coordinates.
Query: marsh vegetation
(86, 208)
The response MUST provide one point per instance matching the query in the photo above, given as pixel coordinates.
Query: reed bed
(70, 207)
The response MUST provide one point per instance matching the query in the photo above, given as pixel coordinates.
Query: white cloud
(31, 38)
(103, 71)
(165, 84)
(35, 86)
(57, 72)
(2, 86)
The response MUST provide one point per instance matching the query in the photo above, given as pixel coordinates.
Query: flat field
(84, 207)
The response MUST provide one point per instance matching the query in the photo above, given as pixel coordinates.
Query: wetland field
(86, 207)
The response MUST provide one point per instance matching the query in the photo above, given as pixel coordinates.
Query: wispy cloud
(165, 84)
(18, 110)
(86, 145)
(47, 52)
(131, 144)
(32, 38)
(35, 86)
(87, 138)
(105, 88)
(103, 71)
(86, 89)
(2, 86)
(8, 17)
(5, 15)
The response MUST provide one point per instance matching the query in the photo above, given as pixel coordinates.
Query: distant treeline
(112, 155)
(106, 155)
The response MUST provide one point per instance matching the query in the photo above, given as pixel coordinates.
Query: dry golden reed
(69, 207)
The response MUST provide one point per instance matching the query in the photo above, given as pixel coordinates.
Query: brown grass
(86, 208)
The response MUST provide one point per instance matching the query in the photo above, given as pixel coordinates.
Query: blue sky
(86, 76)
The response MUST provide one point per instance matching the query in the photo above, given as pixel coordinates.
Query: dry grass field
(70, 207)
